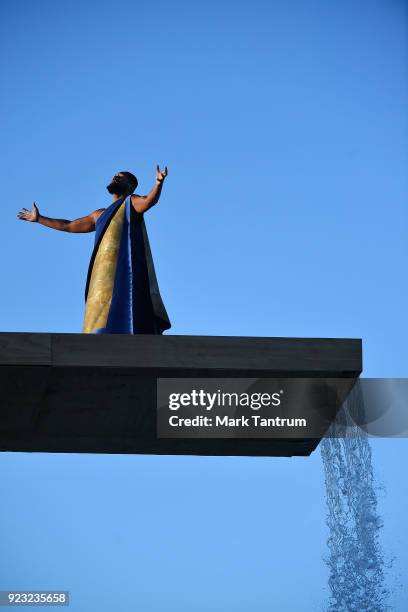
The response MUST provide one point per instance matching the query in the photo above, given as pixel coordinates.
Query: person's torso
(135, 216)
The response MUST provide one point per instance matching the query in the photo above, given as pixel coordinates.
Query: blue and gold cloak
(122, 295)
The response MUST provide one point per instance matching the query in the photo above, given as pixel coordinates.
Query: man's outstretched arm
(81, 225)
(143, 203)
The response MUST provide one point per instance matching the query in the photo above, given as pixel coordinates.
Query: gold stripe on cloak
(103, 275)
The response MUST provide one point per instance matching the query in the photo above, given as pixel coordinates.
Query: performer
(121, 294)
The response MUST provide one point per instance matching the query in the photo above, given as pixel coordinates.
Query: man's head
(123, 183)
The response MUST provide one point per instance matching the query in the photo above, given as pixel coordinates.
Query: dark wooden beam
(97, 393)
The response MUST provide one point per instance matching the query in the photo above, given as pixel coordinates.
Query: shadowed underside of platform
(97, 393)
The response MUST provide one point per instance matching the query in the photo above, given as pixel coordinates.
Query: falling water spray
(355, 560)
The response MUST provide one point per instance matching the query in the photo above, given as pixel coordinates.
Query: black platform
(96, 393)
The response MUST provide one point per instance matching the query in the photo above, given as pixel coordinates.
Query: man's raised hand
(29, 215)
(160, 174)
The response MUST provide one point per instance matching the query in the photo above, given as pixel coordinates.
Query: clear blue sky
(284, 129)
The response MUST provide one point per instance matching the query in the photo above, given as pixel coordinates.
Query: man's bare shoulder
(97, 213)
(136, 197)
(137, 201)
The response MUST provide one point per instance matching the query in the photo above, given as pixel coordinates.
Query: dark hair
(132, 180)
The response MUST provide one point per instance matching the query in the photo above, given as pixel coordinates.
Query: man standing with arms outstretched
(122, 295)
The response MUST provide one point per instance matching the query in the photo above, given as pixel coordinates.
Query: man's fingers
(162, 172)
